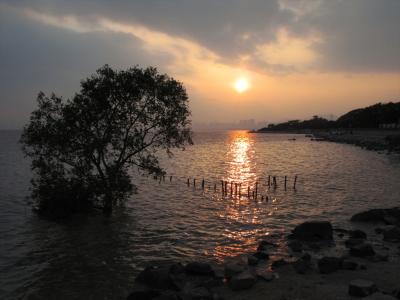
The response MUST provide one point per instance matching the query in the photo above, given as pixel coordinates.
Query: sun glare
(241, 85)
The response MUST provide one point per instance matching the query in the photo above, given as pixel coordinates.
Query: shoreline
(375, 140)
(327, 262)
(370, 139)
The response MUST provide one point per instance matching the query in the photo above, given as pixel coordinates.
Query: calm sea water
(97, 258)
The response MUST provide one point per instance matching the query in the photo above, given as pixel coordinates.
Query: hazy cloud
(52, 44)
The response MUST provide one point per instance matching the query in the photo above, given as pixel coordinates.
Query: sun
(241, 85)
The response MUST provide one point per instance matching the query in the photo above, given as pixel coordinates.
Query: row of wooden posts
(236, 188)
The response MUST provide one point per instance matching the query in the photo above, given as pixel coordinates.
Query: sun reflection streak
(240, 158)
(242, 218)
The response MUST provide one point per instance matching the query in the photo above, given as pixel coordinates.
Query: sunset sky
(263, 60)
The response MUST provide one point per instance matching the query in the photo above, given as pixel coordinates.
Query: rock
(379, 257)
(306, 257)
(252, 260)
(352, 242)
(387, 216)
(295, 246)
(379, 230)
(234, 268)
(261, 255)
(313, 231)
(263, 245)
(265, 275)
(392, 234)
(396, 293)
(361, 288)
(341, 230)
(362, 250)
(199, 268)
(279, 263)
(328, 265)
(379, 296)
(156, 277)
(242, 281)
(301, 266)
(349, 265)
(358, 234)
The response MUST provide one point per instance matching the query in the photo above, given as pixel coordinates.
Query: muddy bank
(327, 262)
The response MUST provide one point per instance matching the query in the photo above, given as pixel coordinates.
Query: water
(97, 258)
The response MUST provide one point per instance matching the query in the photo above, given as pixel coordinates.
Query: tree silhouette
(82, 149)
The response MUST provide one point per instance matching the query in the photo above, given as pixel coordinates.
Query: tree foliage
(82, 148)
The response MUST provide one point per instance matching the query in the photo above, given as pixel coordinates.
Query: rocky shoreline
(376, 140)
(327, 262)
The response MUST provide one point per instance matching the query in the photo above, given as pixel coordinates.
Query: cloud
(354, 36)
(51, 44)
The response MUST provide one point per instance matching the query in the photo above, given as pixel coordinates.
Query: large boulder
(295, 246)
(313, 231)
(361, 288)
(387, 216)
(328, 265)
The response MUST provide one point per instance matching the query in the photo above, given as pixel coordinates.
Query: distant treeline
(374, 116)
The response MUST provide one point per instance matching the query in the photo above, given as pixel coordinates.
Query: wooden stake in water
(222, 187)
(240, 190)
(194, 182)
(274, 182)
(231, 188)
(236, 185)
(248, 192)
(269, 180)
(295, 180)
(253, 195)
(170, 178)
(188, 182)
(256, 189)
(285, 182)
(202, 184)
(215, 187)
